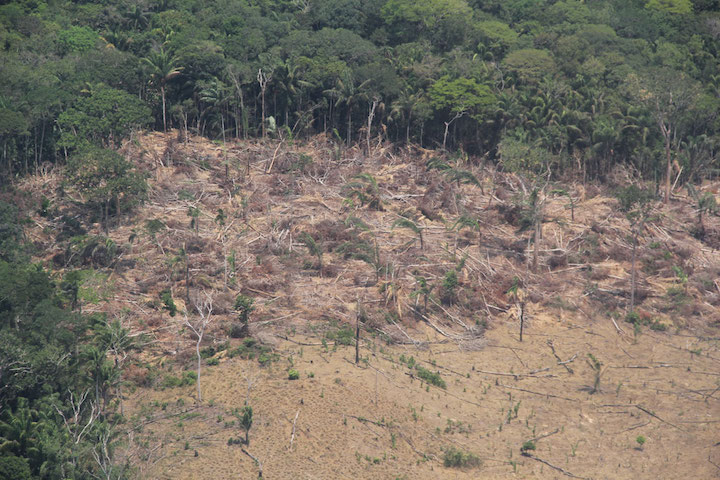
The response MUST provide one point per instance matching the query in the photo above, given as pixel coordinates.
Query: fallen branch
(296, 342)
(559, 360)
(536, 393)
(292, 436)
(544, 435)
(640, 407)
(561, 470)
(519, 375)
(633, 427)
(258, 462)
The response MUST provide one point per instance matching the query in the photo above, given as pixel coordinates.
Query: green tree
(670, 6)
(346, 93)
(365, 188)
(459, 97)
(105, 116)
(415, 227)
(496, 38)
(314, 248)
(105, 178)
(529, 65)
(77, 39)
(246, 421)
(217, 95)
(163, 67)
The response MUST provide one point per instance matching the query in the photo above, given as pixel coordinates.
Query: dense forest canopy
(583, 84)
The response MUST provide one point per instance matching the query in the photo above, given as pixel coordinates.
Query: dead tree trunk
(357, 333)
(204, 308)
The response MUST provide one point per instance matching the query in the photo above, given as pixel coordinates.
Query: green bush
(244, 307)
(238, 330)
(343, 335)
(186, 379)
(166, 297)
(456, 458)
(527, 446)
(433, 378)
(658, 327)
(14, 468)
(633, 318)
(250, 349)
(293, 374)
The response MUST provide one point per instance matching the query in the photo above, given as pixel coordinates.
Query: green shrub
(433, 378)
(250, 349)
(166, 297)
(238, 330)
(14, 468)
(213, 361)
(658, 327)
(449, 286)
(244, 307)
(527, 446)
(343, 335)
(633, 318)
(293, 374)
(186, 379)
(456, 458)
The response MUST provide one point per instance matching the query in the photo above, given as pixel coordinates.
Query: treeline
(564, 86)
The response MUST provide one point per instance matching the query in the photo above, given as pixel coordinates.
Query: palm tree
(366, 189)
(163, 68)
(217, 95)
(403, 107)
(347, 93)
(289, 83)
(417, 228)
(705, 203)
(314, 248)
(466, 221)
(138, 18)
(18, 431)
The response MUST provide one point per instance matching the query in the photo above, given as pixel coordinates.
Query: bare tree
(263, 79)
(670, 97)
(102, 452)
(460, 113)
(371, 116)
(80, 421)
(204, 308)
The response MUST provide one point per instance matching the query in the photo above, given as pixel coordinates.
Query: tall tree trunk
(35, 149)
(669, 170)
(357, 332)
(42, 140)
(632, 273)
(222, 125)
(262, 95)
(537, 242)
(349, 122)
(199, 362)
(162, 94)
(105, 216)
(371, 116)
(407, 130)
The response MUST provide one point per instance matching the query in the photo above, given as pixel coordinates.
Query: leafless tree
(204, 307)
(102, 453)
(80, 421)
(263, 78)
